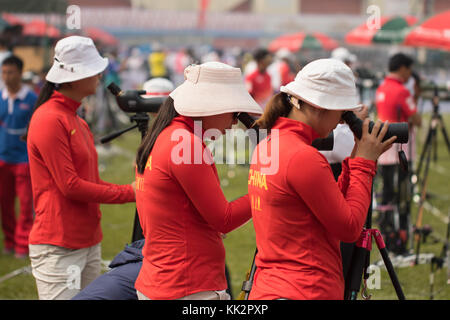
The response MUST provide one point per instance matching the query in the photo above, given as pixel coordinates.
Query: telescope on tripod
(131, 101)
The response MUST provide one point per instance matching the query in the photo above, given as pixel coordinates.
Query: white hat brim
(57, 74)
(321, 99)
(208, 99)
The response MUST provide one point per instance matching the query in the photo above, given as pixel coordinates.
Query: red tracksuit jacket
(67, 189)
(183, 212)
(301, 214)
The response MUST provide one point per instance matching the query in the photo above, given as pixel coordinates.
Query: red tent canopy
(39, 28)
(434, 33)
(302, 40)
(100, 35)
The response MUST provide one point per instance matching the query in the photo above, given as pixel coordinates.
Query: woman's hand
(370, 146)
(362, 113)
(133, 185)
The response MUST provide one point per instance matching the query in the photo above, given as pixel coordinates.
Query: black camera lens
(400, 129)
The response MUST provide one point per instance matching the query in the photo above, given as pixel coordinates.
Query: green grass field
(117, 225)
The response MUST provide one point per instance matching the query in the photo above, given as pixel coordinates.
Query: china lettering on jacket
(257, 179)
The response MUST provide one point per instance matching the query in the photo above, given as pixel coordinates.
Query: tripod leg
(248, 282)
(357, 266)
(434, 146)
(387, 262)
(444, 133)
(252, 276)
(421, 204)
(426, 146)
(138, 234)
(418, 240)
(432, 280)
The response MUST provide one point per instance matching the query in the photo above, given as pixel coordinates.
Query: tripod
(360, 262)
(436, 122)
(438, 262)
(141, 119)
(430, 146)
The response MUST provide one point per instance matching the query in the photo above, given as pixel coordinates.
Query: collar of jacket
(304, 131)
(189, 122)
(67, 102)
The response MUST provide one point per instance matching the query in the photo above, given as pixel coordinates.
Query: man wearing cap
(16, 106)
(184, 256)
(65, 250)
(395, 103)
(302, 214)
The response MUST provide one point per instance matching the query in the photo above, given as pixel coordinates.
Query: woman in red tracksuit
(67, 190)
(182, 209)
(300, 214)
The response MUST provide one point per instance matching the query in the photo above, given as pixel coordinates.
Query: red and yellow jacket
(301, 214)
(67, 188)
(183, 213)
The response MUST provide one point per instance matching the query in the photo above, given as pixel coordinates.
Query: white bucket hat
(327, 84)
(213, 88)
(75, 58)
(157, 87)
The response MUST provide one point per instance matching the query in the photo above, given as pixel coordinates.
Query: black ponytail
(278, 106)
(44, 95)
(164, 117)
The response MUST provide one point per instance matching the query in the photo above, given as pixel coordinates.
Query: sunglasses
(236, 115)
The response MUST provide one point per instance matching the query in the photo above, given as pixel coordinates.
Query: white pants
(203, 295)
(62, 273)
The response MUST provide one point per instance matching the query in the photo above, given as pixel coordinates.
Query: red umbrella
(12, 19)
(39, 28)
(100, 35)
(301, 40)
(392, 30)
(434, 33)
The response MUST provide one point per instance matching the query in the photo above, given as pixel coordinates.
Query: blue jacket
(118, 283)
(14, 118)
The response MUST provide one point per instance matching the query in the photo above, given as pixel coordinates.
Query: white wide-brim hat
(213, 88)
(327, 84)
(75, 58)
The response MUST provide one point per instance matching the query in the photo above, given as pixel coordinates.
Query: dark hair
(164, 117)
(260, 54)
(278, 106)
(399, 60)
(14, 60)
(45, 94)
